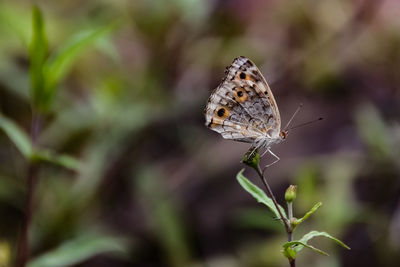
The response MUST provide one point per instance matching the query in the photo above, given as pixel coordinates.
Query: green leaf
(313, 234)
(37, 56)
(58, 65)
(17, 136)
(288, 248)
(80, 249)
(45, 74)
(259, 194)
(12, 20)
(303, 242)
(22, 142)
(61, 160)
(308, 214)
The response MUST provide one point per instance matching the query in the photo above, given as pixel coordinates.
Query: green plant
(292, 247)
(46, 71)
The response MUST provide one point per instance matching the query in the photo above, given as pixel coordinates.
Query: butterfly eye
(242, 75)
(283, 134)
(222, 112)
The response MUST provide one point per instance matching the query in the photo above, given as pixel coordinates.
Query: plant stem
(290, 210)
(286, 222)
(290, 214)
(23, 247)
(253, 160)
(24, 252)
(271, 195)
(290, 232)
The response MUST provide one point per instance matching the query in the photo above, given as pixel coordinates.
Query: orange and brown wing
(242, 107)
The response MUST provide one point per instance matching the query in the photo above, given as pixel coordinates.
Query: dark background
(160, 185)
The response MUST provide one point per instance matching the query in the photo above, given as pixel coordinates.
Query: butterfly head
(283, 134)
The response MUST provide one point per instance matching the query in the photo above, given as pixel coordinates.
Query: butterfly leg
(256, 145)
(276, 160)
(254, 149)
(265, 152)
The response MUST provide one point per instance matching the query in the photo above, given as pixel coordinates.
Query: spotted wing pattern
(242, 107)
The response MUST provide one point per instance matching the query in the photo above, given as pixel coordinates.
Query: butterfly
(243, 108)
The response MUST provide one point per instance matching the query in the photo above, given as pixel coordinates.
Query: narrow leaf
(12, 20)
(78, 250)
(61, 61)
(298, 245)
(61, 160)
(22, 142)
(17, 136)
(288, 245)
(37, 56)
(259, 194)
(308, 214)
(313, 234)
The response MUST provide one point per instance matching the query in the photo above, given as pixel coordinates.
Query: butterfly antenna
(303, 124)
(294, 114)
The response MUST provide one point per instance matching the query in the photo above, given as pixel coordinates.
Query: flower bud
(252, 158)
(290, 193)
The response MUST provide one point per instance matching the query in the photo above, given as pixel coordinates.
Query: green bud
(290, 193)
(252, 158)
(289, 253)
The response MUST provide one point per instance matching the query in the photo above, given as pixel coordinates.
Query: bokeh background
(154, 186)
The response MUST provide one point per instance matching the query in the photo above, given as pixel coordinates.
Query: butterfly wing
(226, 116)
(242, 107)
(248, 75)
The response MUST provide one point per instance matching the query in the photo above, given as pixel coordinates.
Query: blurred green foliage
(121, 87)
(79, 249)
